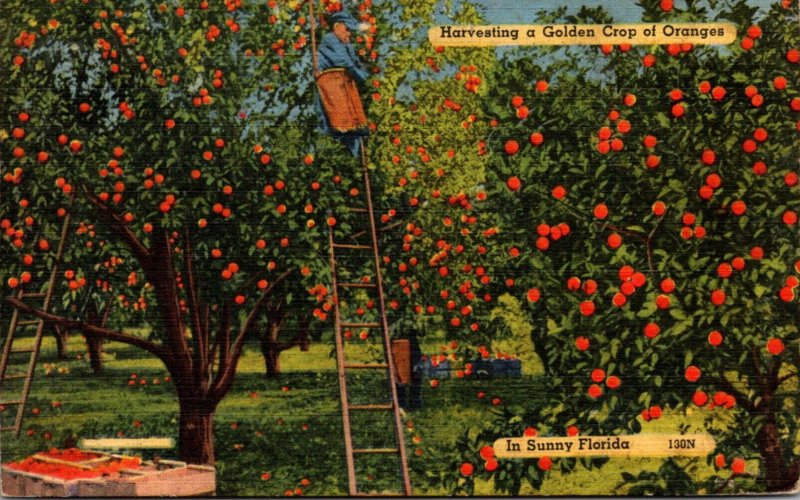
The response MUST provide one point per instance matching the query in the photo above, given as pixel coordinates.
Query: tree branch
(380, 229)
(757, 365)
(728, 386)
(200, 336)
(224, 377)
(91, 330)
(112, 220)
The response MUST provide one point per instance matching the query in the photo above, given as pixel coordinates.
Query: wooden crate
(167, 478)
(17, 483)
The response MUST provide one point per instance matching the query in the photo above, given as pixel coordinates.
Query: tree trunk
(94, 347)
(61, 335)
(272, 358)
(778, 476)
(196, 433)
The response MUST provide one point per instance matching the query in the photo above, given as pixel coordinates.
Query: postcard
(399, 247)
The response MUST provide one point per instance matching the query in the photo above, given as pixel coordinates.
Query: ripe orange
(775, 346)
(511, 147)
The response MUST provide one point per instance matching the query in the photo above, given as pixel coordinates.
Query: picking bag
(341, 100)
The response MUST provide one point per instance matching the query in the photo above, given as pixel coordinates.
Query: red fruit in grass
(738, 465)
(582, 343)
(466, 469)
(513, 183)
(594, 391)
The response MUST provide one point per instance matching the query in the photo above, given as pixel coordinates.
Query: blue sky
(524, 11)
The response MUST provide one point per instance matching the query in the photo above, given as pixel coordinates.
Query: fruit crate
(151, 479)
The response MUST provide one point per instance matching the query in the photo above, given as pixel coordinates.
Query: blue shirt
(333, 53)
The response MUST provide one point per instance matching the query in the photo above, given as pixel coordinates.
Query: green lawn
(290, 427)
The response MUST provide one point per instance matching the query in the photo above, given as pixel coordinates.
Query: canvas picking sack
(341, 100)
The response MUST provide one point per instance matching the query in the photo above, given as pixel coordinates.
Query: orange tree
(440, 262)
(182, 134)
(675, 169)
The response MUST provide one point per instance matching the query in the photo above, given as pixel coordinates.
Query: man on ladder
(338, 73)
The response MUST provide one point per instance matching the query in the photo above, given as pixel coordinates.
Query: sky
(524, 11)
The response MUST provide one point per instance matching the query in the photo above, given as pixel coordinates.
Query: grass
(289, 427)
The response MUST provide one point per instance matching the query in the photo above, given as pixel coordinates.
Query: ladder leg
(385, 325)
(9, 341)
(26, 386)
(340, 365)
(37, 343)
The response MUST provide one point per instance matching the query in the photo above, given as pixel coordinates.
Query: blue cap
(346, 19)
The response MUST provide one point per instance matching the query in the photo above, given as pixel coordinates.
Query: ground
(289, 428)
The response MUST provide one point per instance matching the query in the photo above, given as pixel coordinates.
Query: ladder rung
(352, 247)
(357, 209)
(28, 322)
(9, 403)
(25, 349)
(15, 377)
(376, 366)
(375, 450)
(34, 294)
(371, 407)
(357, 285)
(360, 325)
(381, 494)
(8, 428)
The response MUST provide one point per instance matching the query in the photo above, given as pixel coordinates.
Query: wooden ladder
(33, 351)
(342, 364)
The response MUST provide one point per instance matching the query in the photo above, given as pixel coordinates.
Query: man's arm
(335, 54)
